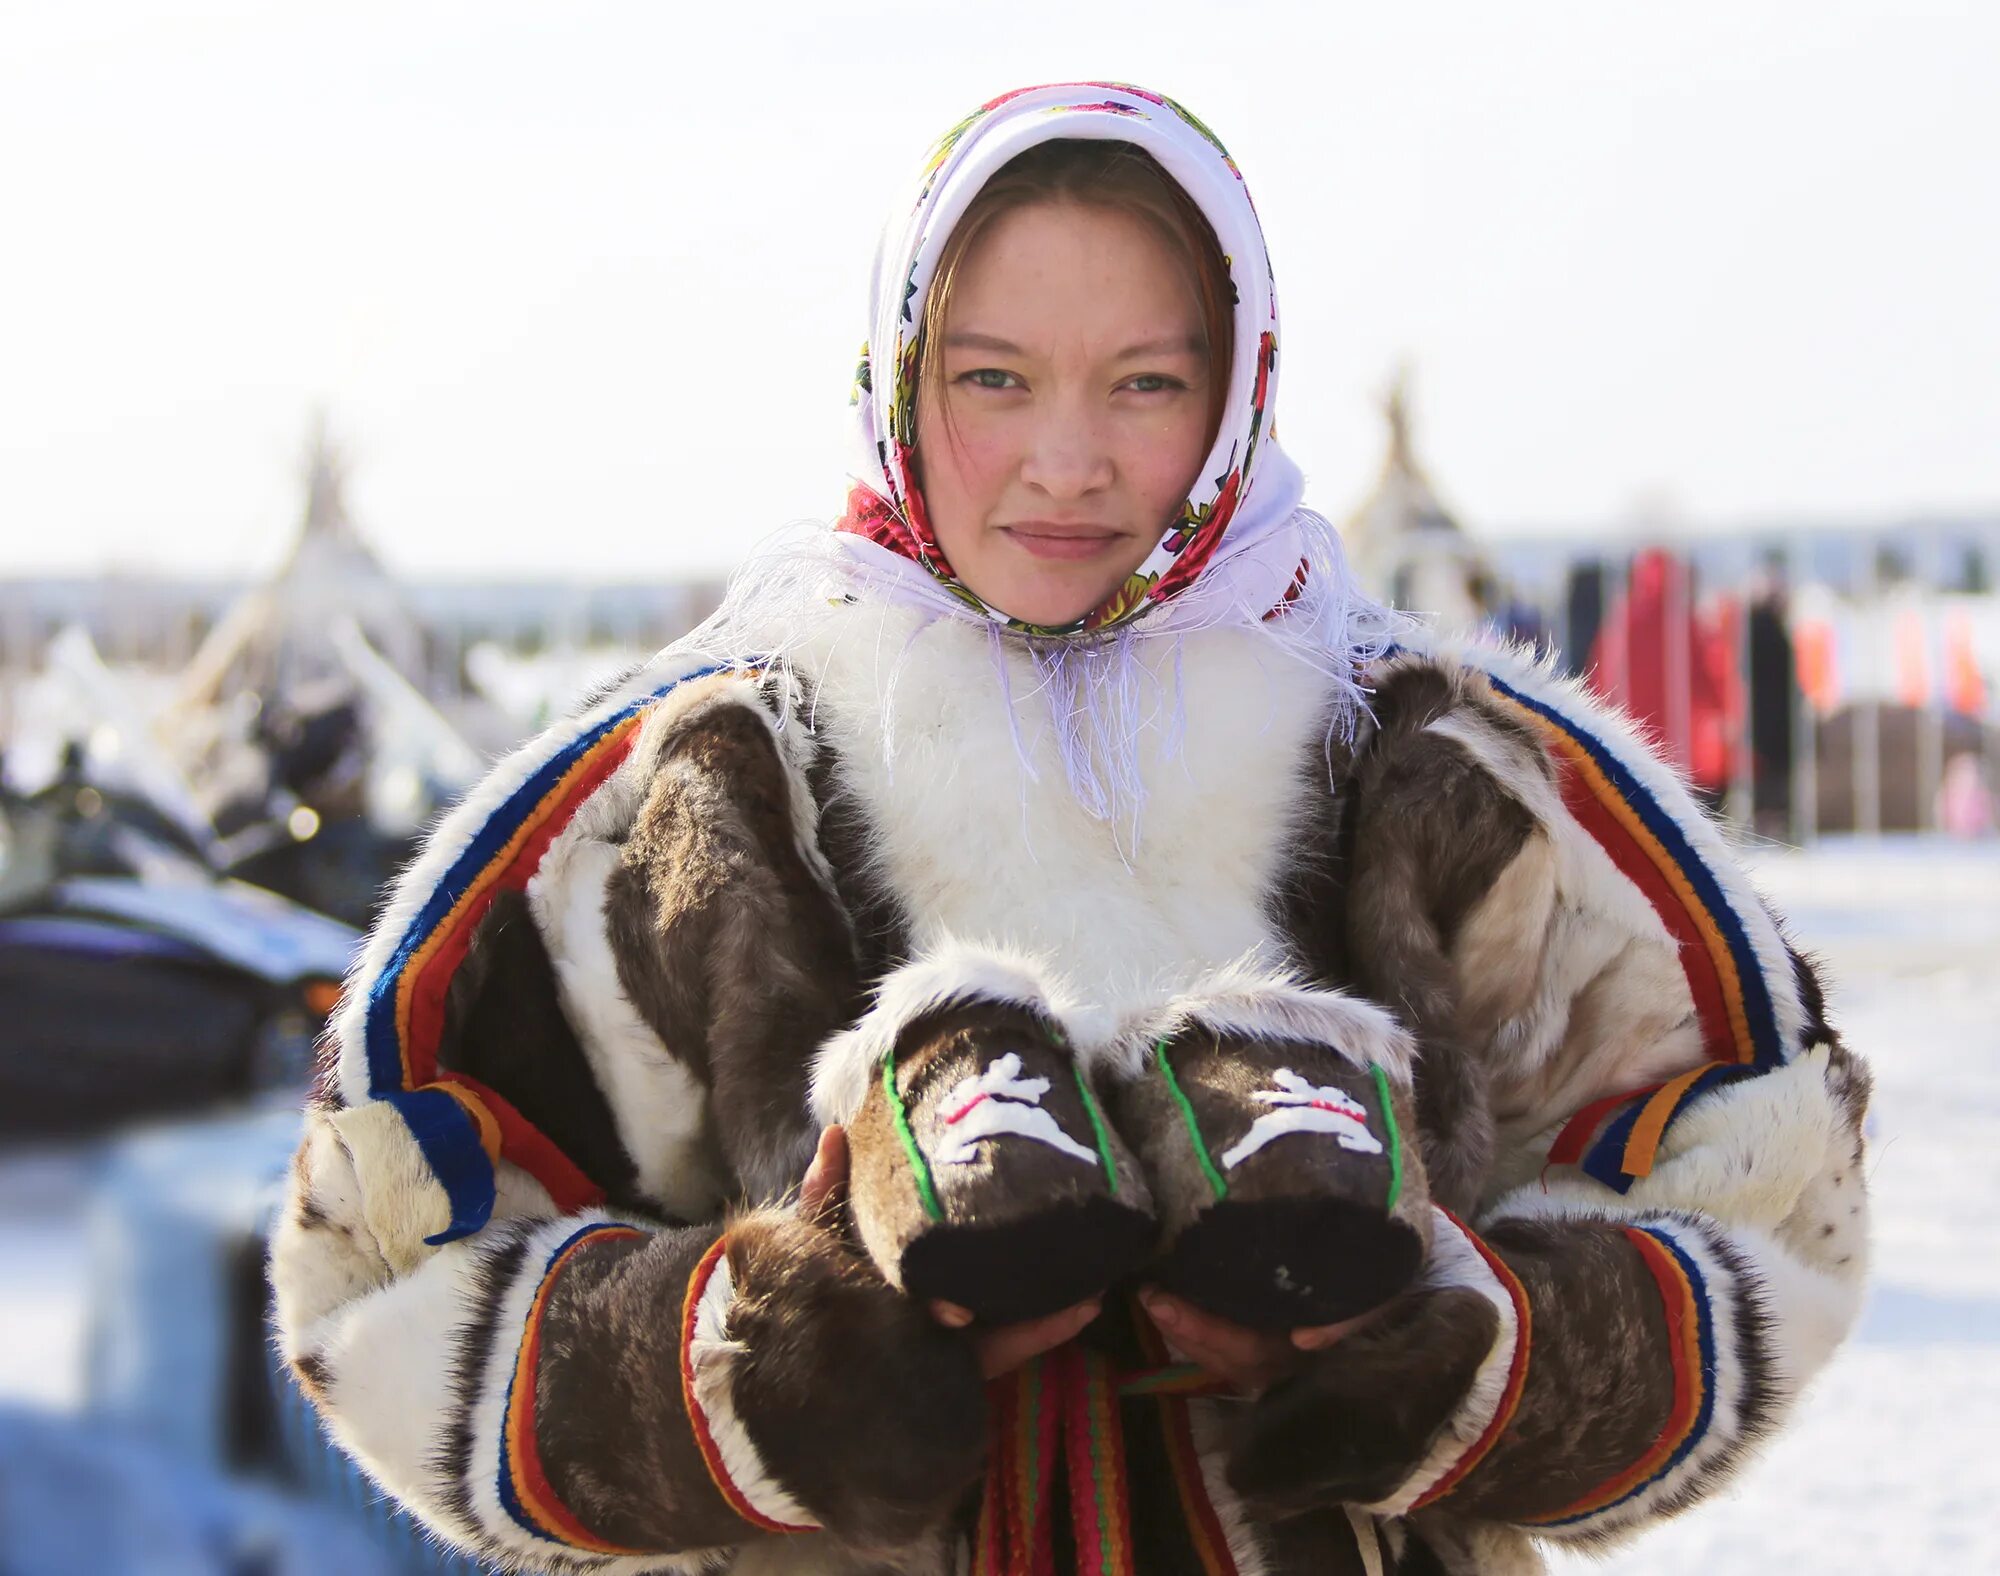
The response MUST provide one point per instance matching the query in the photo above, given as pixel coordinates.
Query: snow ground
(1893, 1460)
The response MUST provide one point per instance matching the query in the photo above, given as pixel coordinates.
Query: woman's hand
(1002, 1348)
(1251, 1360)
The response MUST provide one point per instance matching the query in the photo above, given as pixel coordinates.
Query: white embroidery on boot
(999, 1101)
(1304, 1108)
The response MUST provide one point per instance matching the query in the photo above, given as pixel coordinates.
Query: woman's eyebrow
(1171, 345)
(965, 339)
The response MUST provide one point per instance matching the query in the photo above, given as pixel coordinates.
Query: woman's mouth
(1051, 539)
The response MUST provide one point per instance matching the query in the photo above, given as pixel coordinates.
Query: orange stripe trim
(411, 1007)
(1683, 1345)
(532, 1488)
(1575, 756)
(1517, 1370)
(482, 1117)
(1578, 1131)
(1644, 1142)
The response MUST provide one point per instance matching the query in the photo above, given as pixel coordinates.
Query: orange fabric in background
(1813, 661)
(1964, 684)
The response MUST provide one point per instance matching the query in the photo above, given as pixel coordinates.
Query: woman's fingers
(825, 1186)
(1006, 1347)
(1317, 1337)
(1248, 1359)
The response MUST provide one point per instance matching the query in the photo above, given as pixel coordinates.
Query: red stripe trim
(1706, 960)
(711, 1453)
(1517, 1371)
(527, 1146)
(1633, 861)
(1677, 1298)
(1577, 1132)
(989, 1541)
(1100, 1511)
(428, 975)
(532, 1488)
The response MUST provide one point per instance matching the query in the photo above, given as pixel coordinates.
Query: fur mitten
(1275, 1124)
(823, 1397)
(984, 1172)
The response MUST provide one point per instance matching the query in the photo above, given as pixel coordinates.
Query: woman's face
(1074, 414)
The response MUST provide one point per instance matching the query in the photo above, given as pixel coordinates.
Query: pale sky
(580, 285)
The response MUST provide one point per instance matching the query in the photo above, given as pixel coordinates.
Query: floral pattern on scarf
(886, 505)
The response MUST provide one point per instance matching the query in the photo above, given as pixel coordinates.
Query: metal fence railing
(1799, 698)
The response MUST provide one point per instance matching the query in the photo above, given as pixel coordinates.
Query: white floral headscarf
(1247, 490)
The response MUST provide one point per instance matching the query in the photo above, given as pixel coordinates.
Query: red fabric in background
(1673, 667)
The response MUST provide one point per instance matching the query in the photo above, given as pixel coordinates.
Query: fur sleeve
(1663, 1332)
(591, 1393)
(563, 1031)
(447, 1371)
(1672, 1230)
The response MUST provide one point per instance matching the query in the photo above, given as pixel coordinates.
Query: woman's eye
(1154, 383)
(990, 378)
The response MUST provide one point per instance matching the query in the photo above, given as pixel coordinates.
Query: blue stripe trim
(522, 1517)
(449, 1138)
(1705, 1413)
(1766, 1046)
(385, 1058)
(1605, 1159)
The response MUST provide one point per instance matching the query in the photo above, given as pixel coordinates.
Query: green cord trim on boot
(1215, 1182)
(1395, 1136)
(901, 1116)
(1097, 1128)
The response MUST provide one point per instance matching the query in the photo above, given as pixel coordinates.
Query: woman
(1075, 673)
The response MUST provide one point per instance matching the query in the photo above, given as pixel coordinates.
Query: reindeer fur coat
(537, 1269)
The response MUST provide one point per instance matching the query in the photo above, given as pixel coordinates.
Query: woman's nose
(1067, 457)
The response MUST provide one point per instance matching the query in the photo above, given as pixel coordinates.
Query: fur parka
(539, 1273)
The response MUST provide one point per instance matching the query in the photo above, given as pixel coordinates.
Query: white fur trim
(712, 1357)
(388, 1396)
(951, 972)
(401, 1197)
(1455, 1261)
(1249, 999)
(1803, 1310)
(655, 1099)
(1745, 1154)
(1777, 1178)
(318, 1268)
(1365, 1540)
